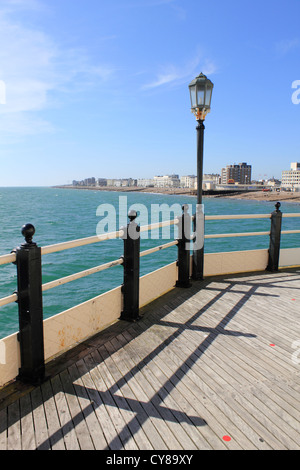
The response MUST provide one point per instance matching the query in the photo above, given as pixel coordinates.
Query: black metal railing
(28, 260)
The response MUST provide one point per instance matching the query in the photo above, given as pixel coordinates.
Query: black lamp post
(201, 92)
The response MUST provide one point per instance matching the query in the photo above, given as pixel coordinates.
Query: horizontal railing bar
(98, 238)
(8, 300)
(238, 216)
(245, 234)
(158, 248)
(6, 259)
(245, 216)
(145, 228)
(81, 274)
(285, 232)
(81, 242)
(11, 258)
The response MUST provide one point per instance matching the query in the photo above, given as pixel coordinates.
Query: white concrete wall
(289, 257)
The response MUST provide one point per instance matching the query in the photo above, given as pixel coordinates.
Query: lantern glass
(208, 97)
(200, 97)
(193, 96)
(201, 93)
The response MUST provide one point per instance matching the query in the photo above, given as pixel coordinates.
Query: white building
(145, 182)
(167, 181)
(291, 179)
(188, 181)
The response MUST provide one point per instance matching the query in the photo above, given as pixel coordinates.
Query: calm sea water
(63, 214)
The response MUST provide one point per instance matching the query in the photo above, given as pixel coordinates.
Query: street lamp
(200, 92)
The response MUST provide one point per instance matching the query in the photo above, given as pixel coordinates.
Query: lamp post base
(197, 265)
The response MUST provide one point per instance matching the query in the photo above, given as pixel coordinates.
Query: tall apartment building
(240, 173)
(291, 179)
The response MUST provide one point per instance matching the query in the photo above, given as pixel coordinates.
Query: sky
(100, 88)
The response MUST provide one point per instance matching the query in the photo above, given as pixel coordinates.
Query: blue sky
(100, 88)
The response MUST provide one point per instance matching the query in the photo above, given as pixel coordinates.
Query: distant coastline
(285, 196)
(126, 189)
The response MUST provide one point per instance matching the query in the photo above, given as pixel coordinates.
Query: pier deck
(219, 359)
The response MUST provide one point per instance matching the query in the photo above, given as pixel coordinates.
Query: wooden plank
(155, 394)
(230, 353)
(65, 418)
(27, 427)
(94, 396)
(54, 428)
(128, 414)
(146, 395)
(149, 439)
(87, 407)
(118, 408)
(225, 410)
(197, 366)
(14, 427)
(80, 426)
(221, 375)
(198, 401)
(3, 429)
(248, 346)
(191, 438)
(121, 435)
(39, 420)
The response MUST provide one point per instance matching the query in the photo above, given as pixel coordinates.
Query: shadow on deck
(210, 367)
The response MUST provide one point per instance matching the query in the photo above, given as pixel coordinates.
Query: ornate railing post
(184, 253)
(30, 304)
(275, 235)
(131, 266)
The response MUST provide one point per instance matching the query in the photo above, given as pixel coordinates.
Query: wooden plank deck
(219, 359)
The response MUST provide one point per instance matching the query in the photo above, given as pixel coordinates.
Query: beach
(287, 196)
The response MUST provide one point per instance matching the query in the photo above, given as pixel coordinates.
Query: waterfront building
(237, 173)
(90, 181)
(214, 177)
(188, 181)
(145, 182)
(101, 182)
(122, 182)
(85, 182)
(167, 181)
(291, 179)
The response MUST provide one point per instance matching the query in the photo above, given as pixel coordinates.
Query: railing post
(184, 255)
(30, 304)
(275, 235)
(131, 266)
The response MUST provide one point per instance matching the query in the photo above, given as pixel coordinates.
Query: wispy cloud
(35, 69)
(287, 45)
(173, 75)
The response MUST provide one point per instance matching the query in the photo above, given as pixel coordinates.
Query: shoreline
(285, 196)
(175, 191)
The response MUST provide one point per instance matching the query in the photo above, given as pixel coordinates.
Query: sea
(60, 215)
